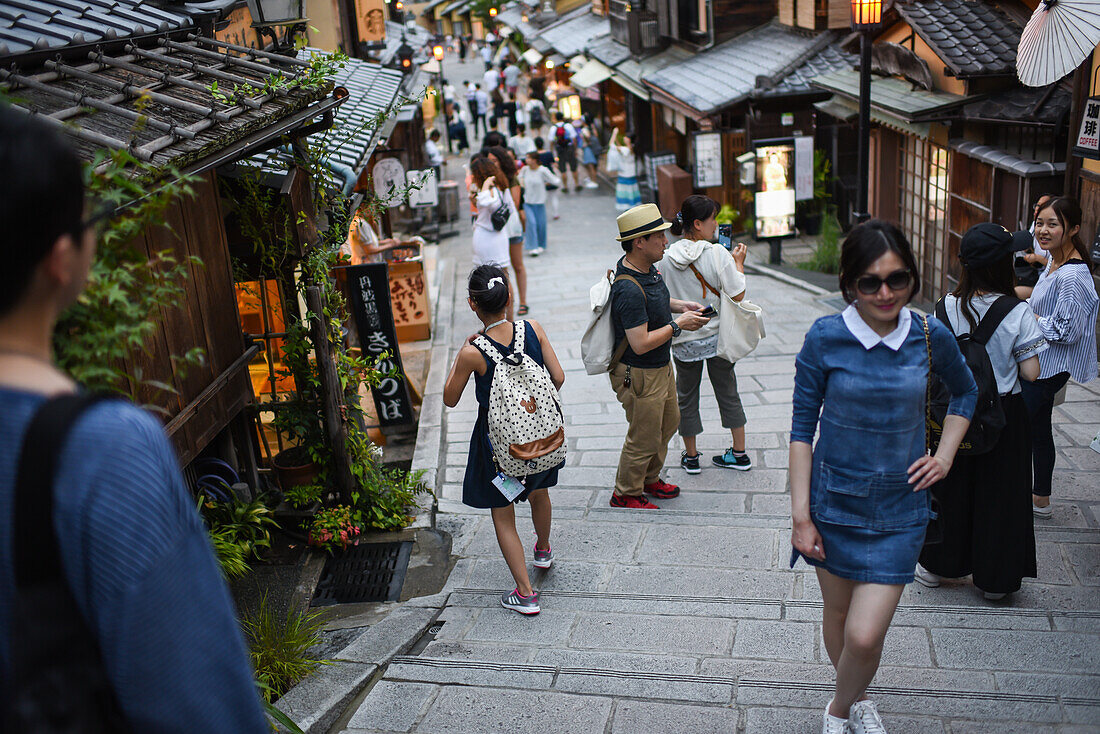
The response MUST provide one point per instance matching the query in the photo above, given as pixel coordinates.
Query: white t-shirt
(435, 157)
(491, 79)
(1017, 337)
(534, 183)
(521, 145)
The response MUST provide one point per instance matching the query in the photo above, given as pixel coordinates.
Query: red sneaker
(662, 490)
(632, 502)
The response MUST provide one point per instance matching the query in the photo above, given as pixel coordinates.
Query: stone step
(746, 682)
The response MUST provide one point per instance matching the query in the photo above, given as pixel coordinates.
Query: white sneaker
(1043, 513)
(926, 577)
(591, 184)
(863, 718)
(832, 724)
(994, 595)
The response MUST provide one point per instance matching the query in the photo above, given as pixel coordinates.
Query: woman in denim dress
(858, 507)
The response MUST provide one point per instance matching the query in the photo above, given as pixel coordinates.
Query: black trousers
(1039, 398)
(985, 510)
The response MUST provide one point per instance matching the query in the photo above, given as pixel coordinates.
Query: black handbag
(934, 533)
(58, 682)
(501, 214)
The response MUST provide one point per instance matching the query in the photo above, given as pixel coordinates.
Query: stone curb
(429, 431)
(761, 269)
(319, 700)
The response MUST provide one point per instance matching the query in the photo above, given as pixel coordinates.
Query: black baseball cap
(984, 244)
(1022, 240)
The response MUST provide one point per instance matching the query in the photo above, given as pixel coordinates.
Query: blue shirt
(1066, 303)
(140, 566)
(870, 400)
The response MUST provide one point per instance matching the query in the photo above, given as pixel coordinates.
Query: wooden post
(333, 397)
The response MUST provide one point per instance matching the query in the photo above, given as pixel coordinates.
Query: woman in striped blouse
(1065, 303)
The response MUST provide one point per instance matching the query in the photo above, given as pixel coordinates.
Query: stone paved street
(688, 619)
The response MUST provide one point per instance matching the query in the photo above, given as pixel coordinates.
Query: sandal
(522, 310)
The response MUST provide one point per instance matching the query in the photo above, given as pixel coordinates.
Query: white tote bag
(740, 328)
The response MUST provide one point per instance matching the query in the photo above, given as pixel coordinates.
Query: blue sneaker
(730, 460)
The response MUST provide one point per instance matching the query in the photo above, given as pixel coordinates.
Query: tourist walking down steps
(858, 506)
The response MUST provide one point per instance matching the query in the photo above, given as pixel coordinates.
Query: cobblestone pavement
(688, 618)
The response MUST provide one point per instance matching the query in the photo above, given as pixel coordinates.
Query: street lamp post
(405, 54)
(866, 18)
(267, 15)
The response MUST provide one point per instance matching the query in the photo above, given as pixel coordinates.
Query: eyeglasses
(898, 280)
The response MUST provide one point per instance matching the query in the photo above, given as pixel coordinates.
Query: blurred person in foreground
(136, 559)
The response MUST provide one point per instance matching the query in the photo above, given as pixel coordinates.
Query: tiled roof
(728, 73)
(416, 36)
(159, 104)
(830, 58)
(608, 50)
(570, 35)
(39, 25)
(895, 96)
(972, 37)
(1016, 104)
(372, 91)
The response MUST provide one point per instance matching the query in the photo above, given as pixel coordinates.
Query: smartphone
(709, 311)
(725, 235)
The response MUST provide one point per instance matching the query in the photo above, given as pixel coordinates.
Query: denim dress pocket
(845, 497)
(896, 505)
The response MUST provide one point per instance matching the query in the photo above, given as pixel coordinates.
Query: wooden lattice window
(923, 210)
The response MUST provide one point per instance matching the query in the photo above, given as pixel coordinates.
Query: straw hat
(639, 221)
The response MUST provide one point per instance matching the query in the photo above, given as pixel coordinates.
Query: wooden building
(152, 95)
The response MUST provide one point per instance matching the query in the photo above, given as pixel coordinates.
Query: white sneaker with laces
(926, 577)
(863, 718)
(832, 724)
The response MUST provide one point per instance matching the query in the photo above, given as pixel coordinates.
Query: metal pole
(775, 251)
(863, 182)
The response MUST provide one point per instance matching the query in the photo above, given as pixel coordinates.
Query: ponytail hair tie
(680, 218)
(493, 282)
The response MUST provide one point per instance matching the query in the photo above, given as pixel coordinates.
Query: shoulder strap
(37, 557)
(703, 282)
(491, 352)
(941, 314)
(927, 387)
(993, 318)
(633, 280)
(520, 338)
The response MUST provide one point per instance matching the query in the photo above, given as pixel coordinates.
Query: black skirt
(985, 508)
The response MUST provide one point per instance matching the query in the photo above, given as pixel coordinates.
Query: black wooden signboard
(369, 288)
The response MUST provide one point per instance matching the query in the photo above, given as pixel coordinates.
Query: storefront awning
(837, 109)
(577, 62)
(845, 109)
(630, 85)
(532, 56)
(591, 74)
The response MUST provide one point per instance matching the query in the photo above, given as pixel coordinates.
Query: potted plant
(335, 527)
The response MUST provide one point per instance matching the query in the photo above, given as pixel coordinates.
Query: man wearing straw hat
(641, 312)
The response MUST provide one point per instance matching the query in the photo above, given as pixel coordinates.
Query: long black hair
(694, 207)
(998, 277)
(868, 242)
(488, 288)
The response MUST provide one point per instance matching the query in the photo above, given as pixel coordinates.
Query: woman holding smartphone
(859, 512)
(694, 268)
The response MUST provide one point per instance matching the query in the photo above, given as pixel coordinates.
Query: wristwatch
(676, 330)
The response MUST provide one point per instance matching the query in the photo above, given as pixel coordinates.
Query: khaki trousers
(652, 415)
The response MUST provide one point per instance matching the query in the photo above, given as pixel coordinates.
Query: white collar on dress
(868, 338)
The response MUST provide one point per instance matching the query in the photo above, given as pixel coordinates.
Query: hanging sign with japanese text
(708, 159)
(1088, 138)
(370, 17)
(803, 168)
(369, 288)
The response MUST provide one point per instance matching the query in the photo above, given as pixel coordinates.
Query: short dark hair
(868, 242)
(494, 138)
(41, 198)
(488, 299)
(539, 142)
(434, 135)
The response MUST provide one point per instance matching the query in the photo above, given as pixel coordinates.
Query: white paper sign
(1088, 137)
(423, 189)
(803, 168)
(708, 159)
(389, 179)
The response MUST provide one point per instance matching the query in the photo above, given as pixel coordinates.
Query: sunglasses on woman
(898, 280)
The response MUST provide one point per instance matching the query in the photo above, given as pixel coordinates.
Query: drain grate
(366, 572)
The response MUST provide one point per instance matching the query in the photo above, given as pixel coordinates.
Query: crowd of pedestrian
(883, 489)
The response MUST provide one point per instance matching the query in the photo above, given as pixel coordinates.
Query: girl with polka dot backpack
(518, 442)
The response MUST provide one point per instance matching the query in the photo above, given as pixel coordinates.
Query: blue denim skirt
(872, 525)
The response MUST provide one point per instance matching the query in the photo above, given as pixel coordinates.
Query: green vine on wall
(114, 317)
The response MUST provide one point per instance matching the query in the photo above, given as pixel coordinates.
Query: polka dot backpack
(526, 423)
